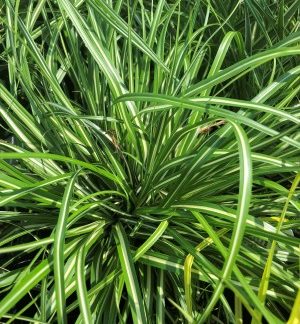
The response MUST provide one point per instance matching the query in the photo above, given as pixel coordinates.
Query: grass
(150, 161)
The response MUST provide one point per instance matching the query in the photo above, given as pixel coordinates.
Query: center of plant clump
(149, 161)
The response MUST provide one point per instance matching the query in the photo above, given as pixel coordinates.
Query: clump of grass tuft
(149, 161)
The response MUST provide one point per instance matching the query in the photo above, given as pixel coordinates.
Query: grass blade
(58, 250)
(135, 297)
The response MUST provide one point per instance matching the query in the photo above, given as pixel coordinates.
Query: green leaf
(58, 250)
(135, 298)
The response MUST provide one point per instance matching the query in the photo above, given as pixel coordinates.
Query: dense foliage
(149, 161)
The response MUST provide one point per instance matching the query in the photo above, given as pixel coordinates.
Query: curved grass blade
(135, 297)
(58, 250)
(188, 263)
(168, 101)
(56, 157)
(264, 283)
(84, 305)
(295, 313)
(242, 211)
(236, 69)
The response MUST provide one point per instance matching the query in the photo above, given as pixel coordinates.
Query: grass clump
(149, 161)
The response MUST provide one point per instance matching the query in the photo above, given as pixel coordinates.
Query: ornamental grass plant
(149, 161)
